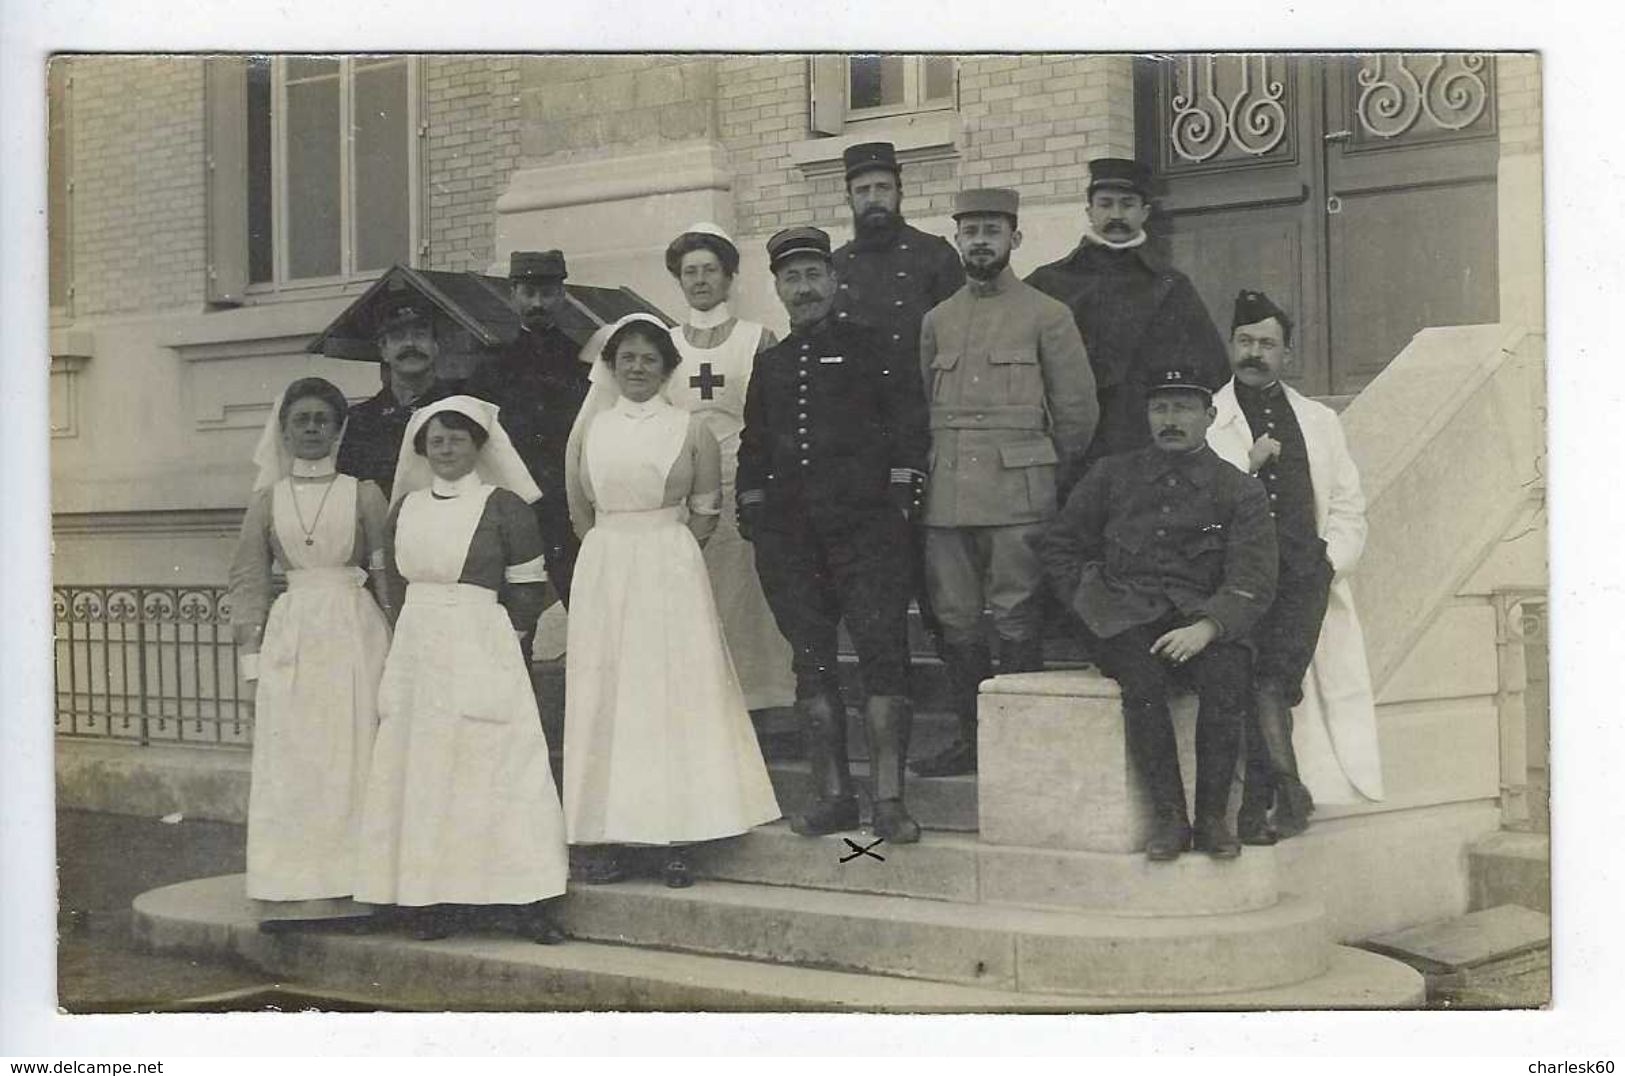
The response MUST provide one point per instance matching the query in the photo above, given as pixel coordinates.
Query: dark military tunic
(1149, 533)
(891, 280)
(1137, 316)
(834, 420)
(538, 383)
(373, 432)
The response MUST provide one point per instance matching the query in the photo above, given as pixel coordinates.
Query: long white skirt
(315, 712)
(461, 807)
(658, 746)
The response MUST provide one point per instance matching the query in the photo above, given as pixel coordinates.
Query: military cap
(792, 241)
(401, 306)
(1253, 307)
(1000, 200)
(536, 265)
(866, 156)
(1182, 378)
(1119, 173)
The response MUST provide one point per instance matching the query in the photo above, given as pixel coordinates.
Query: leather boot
(836, 805)
(967, 667)
(1218, 742)
(1258, 788)
(888, 721)
(1293, 803)
(1021, 655)
(1153, 752)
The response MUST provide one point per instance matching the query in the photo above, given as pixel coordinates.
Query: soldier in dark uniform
(1167, 554)
(831, 462)
(539, 382)
(891, 274)
(1137, 314)
(406, 340)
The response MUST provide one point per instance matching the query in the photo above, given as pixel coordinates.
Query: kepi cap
(537, 265)
(1177, 378)
(401, 306)
(789, 242)
(1000, 200)
(866, 156)
(1119, 173)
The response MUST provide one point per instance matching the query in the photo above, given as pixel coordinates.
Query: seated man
(1168, 556)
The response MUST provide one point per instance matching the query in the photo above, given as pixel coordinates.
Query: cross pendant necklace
(310, 531)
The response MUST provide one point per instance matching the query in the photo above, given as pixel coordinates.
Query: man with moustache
(890, 274)
(1138, 315)
(405, 335)
(1167, 555)
(1310, 650)
(831, 458)
(1012, 404)
(539, 383)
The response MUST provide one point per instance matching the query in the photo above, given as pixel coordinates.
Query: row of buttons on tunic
(802, 404)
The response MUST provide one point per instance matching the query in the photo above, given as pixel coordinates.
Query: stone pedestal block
(1054, 770)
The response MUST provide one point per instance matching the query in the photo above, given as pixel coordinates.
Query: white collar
(710, 319)
(302, 468)
(456, 487)
(639, 411)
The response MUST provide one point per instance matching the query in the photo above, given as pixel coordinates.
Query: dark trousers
(1222, 676)
(1285, 639)
(559, 541)
(820, 565)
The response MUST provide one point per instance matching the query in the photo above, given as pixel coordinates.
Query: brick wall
(137, 145)
(594, 105)
(473, 105)
(1518, 103)
(1032, 122)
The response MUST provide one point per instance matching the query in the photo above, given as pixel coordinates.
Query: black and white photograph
(798, 532)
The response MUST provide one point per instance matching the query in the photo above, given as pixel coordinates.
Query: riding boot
(1293, 803)
(1258, 787)
(1021, 655)
(888, 722)
(836, 805)
(967, 667)
(1218, 742)
(1151, 747)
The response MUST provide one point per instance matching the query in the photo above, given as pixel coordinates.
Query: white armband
(249, 666)
(375, 560)
(706, 504)
(532, 571)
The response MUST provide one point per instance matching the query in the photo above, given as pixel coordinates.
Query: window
(889, 85)
(314, 168)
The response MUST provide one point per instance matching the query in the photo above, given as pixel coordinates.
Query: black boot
(534, 922)
(1021, 655)
(1293, 803)
(888, 722)
(1153, 751)
(967, 667)
(1213, 836)
(1257, 790)
(836, 805)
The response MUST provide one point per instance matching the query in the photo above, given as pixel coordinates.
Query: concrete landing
(1511, 868)
(499, 973)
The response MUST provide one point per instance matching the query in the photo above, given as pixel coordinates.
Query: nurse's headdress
(498, 465)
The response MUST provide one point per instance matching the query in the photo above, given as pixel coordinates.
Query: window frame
(348, 277)
(913, 85)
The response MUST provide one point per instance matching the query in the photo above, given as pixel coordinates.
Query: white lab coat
(1334, 733)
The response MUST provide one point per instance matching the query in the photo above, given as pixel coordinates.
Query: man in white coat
(1310, 654)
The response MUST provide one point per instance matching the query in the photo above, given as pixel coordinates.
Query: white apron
(760, 654)
(461, 806)
(315, 711)
(658, 747)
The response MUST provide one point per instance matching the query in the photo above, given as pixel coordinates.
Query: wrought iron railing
(149, 664)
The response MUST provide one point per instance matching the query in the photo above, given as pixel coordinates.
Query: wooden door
(1362, 205)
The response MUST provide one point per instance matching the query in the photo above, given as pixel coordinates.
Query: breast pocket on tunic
(1016, 376)
(1035, 462)
(942, 364)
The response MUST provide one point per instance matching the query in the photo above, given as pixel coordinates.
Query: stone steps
(211, 917)
(1510, 868)
(954, 867)
(986, 946)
